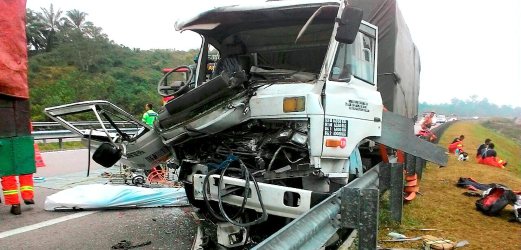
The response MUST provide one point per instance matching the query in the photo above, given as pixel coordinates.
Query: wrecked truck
(292, 110)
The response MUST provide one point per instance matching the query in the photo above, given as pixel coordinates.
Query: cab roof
(221, 22)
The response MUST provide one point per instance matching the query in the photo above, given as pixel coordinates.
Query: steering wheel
(180, 88)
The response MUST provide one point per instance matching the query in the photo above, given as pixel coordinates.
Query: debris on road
(433, 242)
(398, 237)
(125, 244)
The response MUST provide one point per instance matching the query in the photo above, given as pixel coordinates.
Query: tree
(76, 19)
(52, 22)
(33, 28)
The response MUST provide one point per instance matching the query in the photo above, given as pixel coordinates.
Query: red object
(456, 145)
(409, 196)
(384, 154)
(411, 187)
(400, 156)
(13, 49)
(157, 176)
(492, 161)
(38, 159)
(10, 188)
(167, 99)
(166, 70)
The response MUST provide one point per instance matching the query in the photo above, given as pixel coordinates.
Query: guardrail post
(60, 143)
(360, 211)
(420, 164)
(396, 196)
(410, 164)
(384, 177)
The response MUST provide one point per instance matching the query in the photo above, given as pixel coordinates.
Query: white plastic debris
(99, 196)
(396, 235)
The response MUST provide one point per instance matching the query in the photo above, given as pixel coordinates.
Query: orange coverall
(10, 188)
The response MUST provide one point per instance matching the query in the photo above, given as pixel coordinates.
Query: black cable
(205, 197)
(88, 153)
(247, 175)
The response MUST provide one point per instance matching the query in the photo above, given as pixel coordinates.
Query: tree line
(473, 106)
(72, 60)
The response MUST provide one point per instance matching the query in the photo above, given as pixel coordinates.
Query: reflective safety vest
(149, 117)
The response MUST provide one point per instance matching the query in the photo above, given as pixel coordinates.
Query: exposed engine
(262, 146)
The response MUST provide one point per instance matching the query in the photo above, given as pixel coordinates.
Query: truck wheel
(138, 180)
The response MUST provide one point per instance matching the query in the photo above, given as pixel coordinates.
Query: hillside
(72, 60)
(442, 205)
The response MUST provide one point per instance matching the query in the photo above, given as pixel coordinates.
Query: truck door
(352, 105)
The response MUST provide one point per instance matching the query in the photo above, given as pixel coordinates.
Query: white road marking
(44, 224)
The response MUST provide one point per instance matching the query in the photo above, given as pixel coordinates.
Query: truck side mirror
(348, 25)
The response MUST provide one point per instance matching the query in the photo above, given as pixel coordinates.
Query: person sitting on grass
(489, 157)
(482, 148)
(456, 147)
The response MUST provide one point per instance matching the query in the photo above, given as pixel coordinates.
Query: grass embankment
(505, 126)
(54, 146)
(442, 205)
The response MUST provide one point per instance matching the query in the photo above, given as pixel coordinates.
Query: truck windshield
(276, 48)
(355, 59)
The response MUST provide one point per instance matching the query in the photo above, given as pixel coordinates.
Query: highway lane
(65, 162)
(166, 228)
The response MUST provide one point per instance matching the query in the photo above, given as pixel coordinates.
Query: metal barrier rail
(67, 134)
(81, 123)
(354, 206)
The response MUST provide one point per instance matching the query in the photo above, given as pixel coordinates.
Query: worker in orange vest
(10, 188)
(426, 127)
(16, 141)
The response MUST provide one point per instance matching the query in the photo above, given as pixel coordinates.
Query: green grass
(507, 148)
(442, 205)
(54, 146)
(506, 127)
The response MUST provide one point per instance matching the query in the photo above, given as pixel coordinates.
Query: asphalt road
(165, 228)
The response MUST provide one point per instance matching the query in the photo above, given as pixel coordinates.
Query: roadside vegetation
(505, 126)
(72, 60)
(471, 107)
(442, 205)
(54, 146)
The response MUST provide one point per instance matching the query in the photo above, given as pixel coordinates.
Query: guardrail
(40, 125)
(60, 135)
(354, 206)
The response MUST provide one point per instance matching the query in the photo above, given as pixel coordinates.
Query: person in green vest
(150, 115)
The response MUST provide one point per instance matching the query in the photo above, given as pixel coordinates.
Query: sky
(467, 47)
